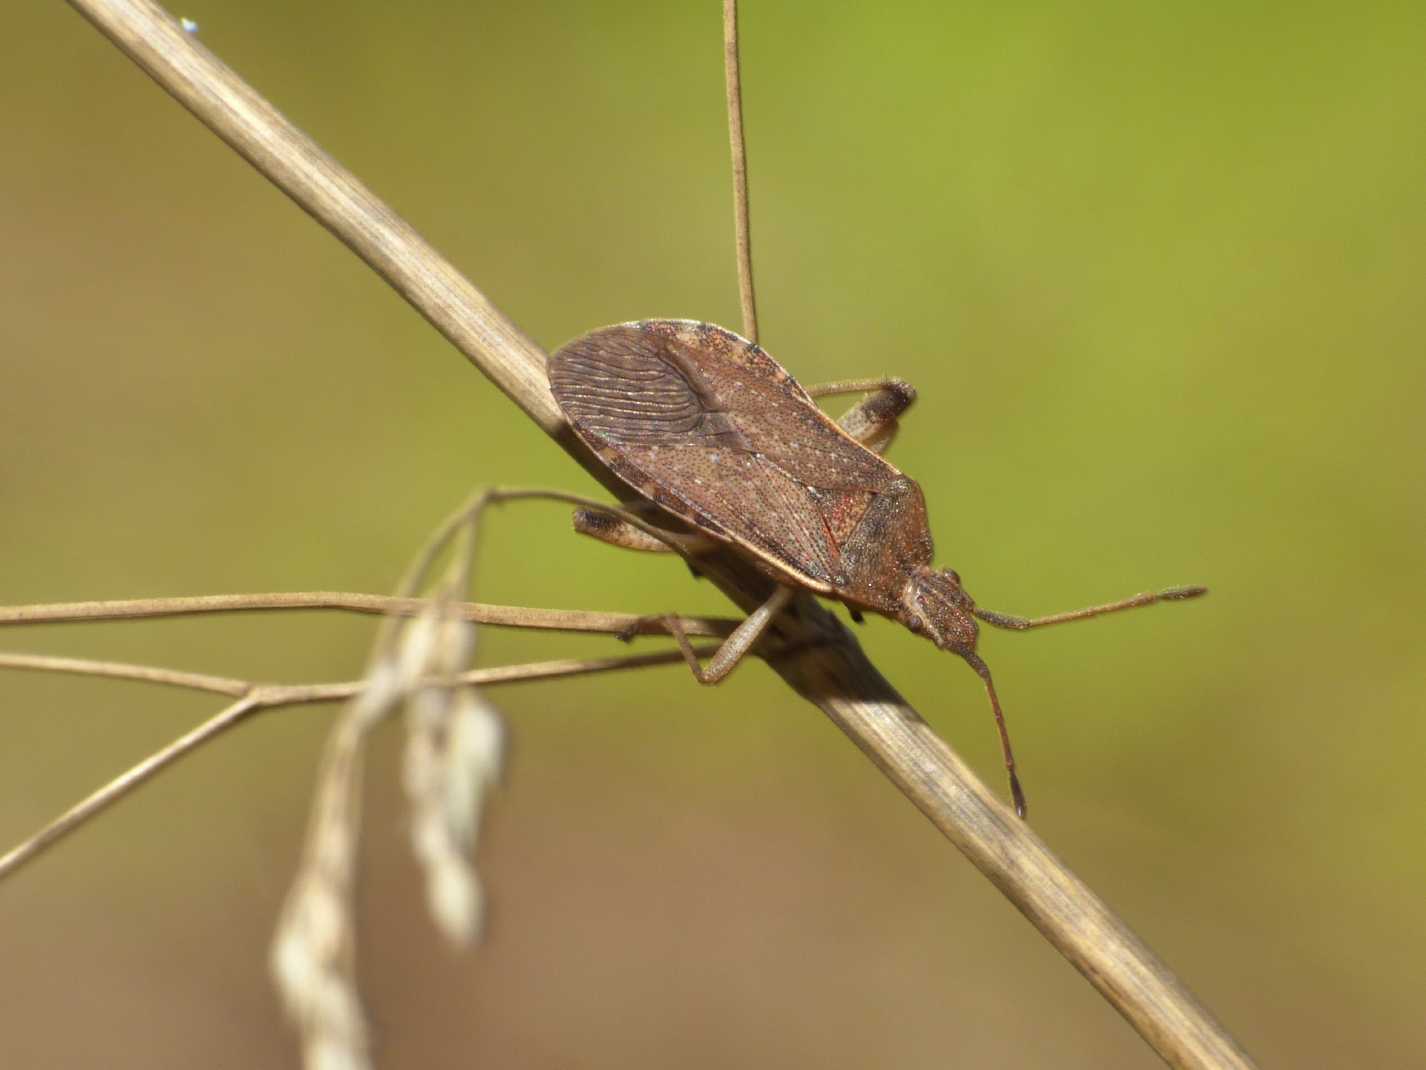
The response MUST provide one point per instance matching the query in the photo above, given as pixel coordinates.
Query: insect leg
(606, 527)
(864, 386)
(744, 637)
(874, 420)
(1148, 598)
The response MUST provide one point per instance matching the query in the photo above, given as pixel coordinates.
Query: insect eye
(914, 624)
(954, 576)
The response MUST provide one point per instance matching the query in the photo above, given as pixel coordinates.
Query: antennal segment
(1017, 794)
(1148, 598)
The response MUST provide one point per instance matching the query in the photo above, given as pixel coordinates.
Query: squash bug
(709, 428)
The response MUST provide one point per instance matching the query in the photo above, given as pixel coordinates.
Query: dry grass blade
(830, 669)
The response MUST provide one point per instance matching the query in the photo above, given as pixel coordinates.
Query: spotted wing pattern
(711, 428)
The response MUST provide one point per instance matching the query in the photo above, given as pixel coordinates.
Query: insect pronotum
(708, 427)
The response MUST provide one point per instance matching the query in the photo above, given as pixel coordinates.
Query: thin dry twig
(126, 782)
(560, 620)
(270, 695)
(119, 670)
(830, 671)
(254, 698)
(733, 78)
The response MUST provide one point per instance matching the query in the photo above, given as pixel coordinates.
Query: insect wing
(712, 429)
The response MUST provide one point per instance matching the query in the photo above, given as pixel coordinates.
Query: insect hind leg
(875, 420)
(738, 644)
(744, 637)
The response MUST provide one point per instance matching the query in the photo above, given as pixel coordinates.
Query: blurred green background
(1157, 272)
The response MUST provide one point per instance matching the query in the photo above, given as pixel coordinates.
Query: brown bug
(708, 427)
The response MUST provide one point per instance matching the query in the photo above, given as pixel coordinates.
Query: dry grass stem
(119, 670)
(828, 668)
(560, 620)
(733, 79)
(121, 785)
(269, 696)
(257, 697)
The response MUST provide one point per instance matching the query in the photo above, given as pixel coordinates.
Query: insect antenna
(1017, 794)
(1148, 598)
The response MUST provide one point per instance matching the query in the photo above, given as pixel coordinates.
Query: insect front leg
(616, 531)
(743, 639)
(875, 419)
